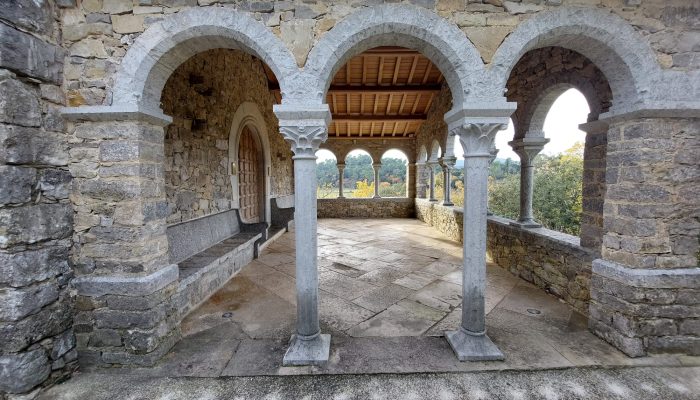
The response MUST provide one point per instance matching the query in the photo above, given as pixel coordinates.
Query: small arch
(248, 115)
(359, 173)
(396, 25)
(435, 151)
(159, 50)
(327, 174)
(422, 154)
(623, 56)
(396, 182)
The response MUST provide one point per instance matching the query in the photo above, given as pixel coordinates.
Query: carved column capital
(303, 127)
(340, 166)
(448, 162)
(477, 138)
(528, 148)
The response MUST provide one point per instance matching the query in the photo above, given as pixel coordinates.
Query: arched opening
(393, 174)
(359, 174)
(327, 174)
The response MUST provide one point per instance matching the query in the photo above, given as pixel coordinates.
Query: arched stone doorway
(251, 187)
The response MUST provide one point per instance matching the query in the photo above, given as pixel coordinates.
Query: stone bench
(208, 252)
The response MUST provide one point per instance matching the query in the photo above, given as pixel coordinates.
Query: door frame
(248, 115)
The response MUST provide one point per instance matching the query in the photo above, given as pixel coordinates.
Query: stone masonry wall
(366, 208)
(202, 96)
(435, 127)
(551, 260)
(98, 32)
(36, 219)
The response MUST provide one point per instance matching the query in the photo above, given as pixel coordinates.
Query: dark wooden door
(250, 187)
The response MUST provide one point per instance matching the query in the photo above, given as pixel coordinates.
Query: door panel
(250, 185)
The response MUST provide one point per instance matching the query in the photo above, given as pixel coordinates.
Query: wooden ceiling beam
(413, 70)
(384, 89)
(379, 118)
(354, 137)
(396, 70)
(381, 67)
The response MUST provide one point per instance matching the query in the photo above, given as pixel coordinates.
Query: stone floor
(388, 290)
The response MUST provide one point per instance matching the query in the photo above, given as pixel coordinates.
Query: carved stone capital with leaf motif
(477, 138)
(304, 140)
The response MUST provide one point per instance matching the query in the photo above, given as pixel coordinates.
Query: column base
(469, 347)
(526, 224)
(307, 352)
(340, 197)
(448, 204)
(433, 200)
(377, 197)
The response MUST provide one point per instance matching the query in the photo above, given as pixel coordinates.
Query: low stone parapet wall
(553, 261)
(386, 207)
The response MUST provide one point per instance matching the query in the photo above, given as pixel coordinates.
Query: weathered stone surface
(17, 184)
(18, 303)
(55, 183)
(19, 103)
(128, 23)
(35, 16)
(29, 266)
(366, 208)
(26, 55)
(299, 35)
(89, 48)
(49, 321)
(21, 372)
(35, 223)
(24, 145)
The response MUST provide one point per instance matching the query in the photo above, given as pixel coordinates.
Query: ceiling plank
(379, 118)
(388, 104)
(364, 71)
(335, 103)
(403, 103)
(396, 70)
(427, 106)
(427, 72)
(380, 89)
(347, 73)
(381, 67)
(413, 70)
(415, 104)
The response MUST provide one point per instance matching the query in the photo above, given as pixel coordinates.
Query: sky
(560, 127)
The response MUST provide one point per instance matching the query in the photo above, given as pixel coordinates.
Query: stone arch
(422, 154)
(373, 157)
(165, 45)
(623, 56)
(435, 151)
(248, 115)
(399, 25)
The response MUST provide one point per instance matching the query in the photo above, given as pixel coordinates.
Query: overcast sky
(560, 127)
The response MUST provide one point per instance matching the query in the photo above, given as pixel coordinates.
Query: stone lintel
(95, 286)
(307, 352)
(303, 115)
(648, 278)
(680, 109)
(469, 347)
(117, 112)
(487, 111)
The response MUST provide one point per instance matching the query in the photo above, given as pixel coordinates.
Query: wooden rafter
(381, 67)
(379, 118)
(413, 70)
(396, 70)
(427, 73)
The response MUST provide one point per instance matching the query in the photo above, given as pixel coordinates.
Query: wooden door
(250, 186)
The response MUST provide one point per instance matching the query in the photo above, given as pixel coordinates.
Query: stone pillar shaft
(447, 165)
(431, 168)
(527, 149)
(376, 167)
(341, 172)
(305, 129)
(470, 342)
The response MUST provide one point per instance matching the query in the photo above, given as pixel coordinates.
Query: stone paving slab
(651, 383)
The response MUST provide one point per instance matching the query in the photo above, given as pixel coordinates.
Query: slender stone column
(411, 178)
(527, 149)
(305, 130)
(341, 171)
(431, 168)
(493, 152)
(447, 165)
(470, 342)
(376, 167)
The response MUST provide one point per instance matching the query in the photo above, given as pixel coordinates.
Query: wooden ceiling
(384, 92)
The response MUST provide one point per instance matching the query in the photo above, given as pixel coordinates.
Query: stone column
(476, 136)
(593, 194)
(447, 164)
(493, 152)
(527, 149)
(411, 178)
(431, 169)
(124, 281)
(376, 167)
(305, 129)
(421, 187)
(341, 171)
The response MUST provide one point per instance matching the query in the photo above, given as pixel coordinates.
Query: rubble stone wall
(37, 344)
(202, 96)
(388, 207)
(551, 260)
